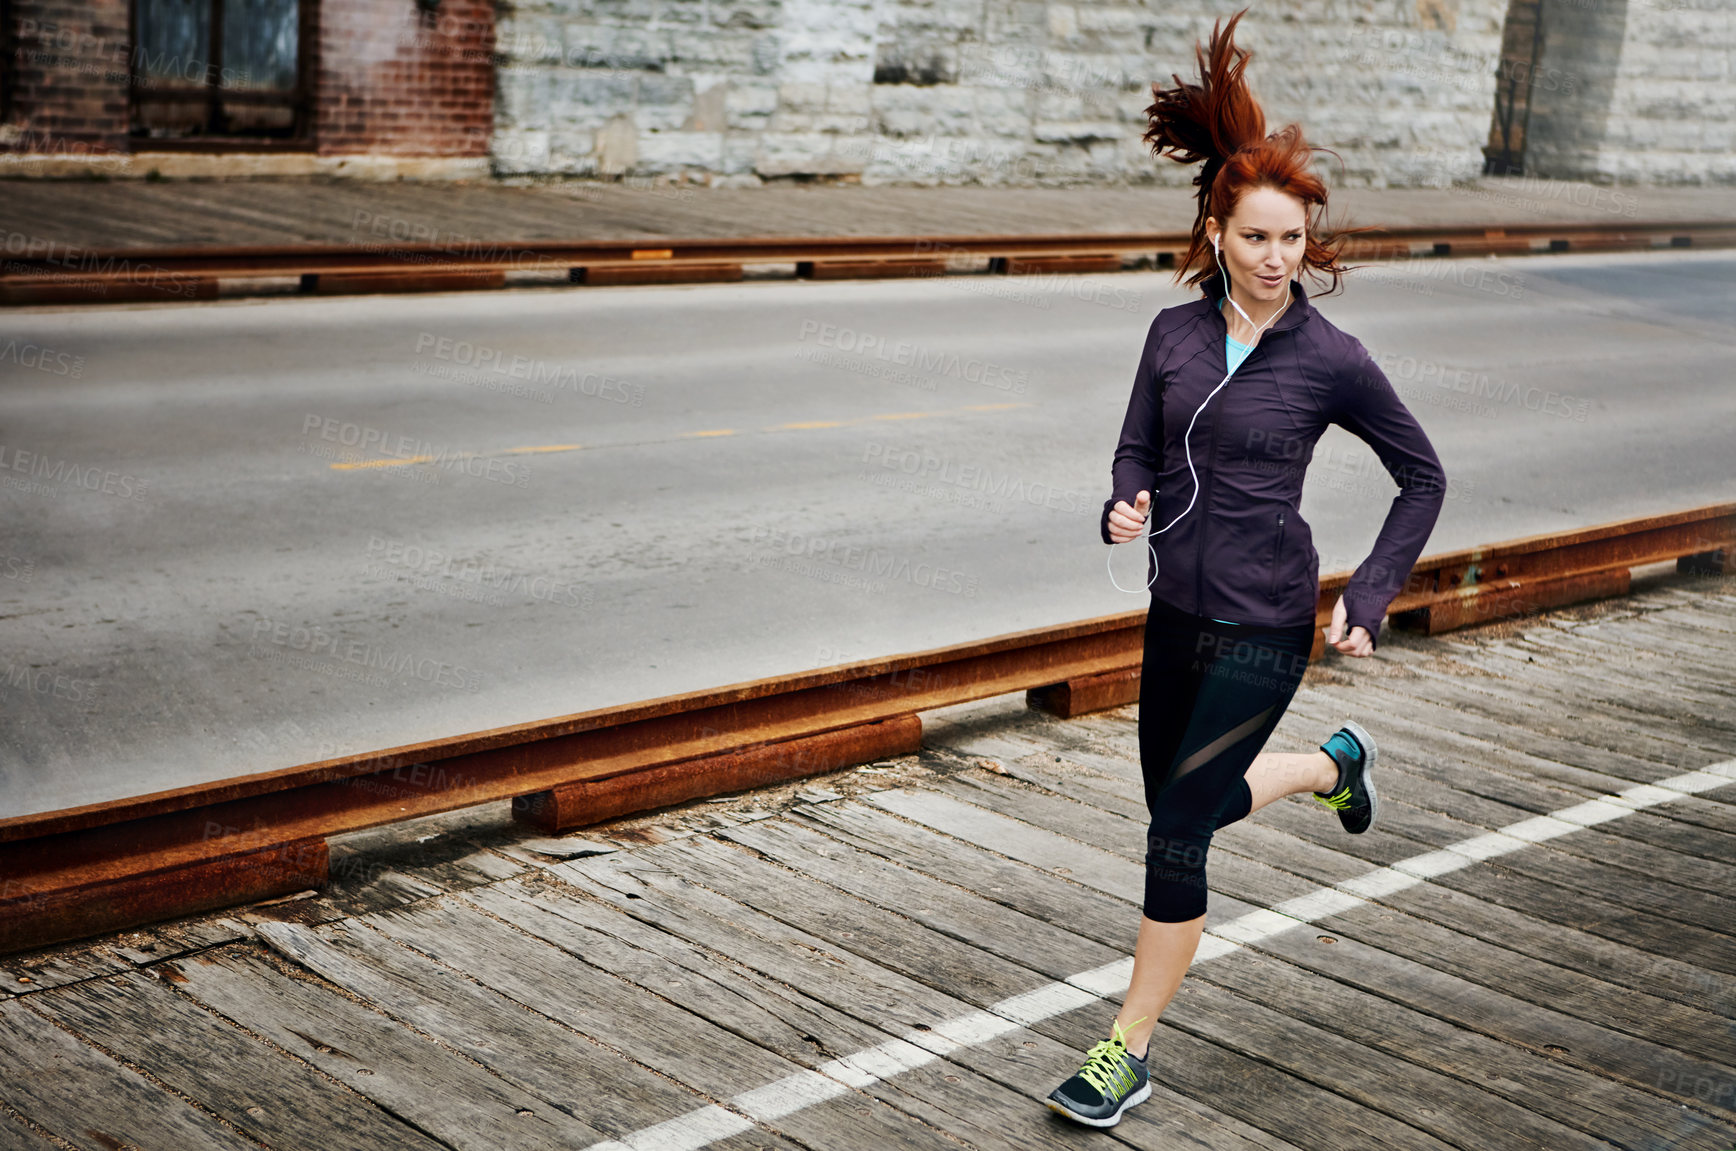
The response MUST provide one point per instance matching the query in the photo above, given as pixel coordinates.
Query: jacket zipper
(1206, 508)
(1277, 551)
(1206, 518)
(1211, 483)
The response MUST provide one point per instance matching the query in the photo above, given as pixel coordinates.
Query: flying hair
(1218, 121)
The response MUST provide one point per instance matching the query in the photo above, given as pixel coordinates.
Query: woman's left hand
(1358, 642)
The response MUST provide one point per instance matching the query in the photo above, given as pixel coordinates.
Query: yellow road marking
(393, 463)
(803, 425)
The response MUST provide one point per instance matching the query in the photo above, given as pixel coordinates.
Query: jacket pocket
(1277, 556)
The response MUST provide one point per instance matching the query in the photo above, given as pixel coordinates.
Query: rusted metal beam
(76, 872)
(884, 268)
(1051, 265)
(439, 775)
(409, 280)
(610, 760)
(66, 289)
(1551, 569)
(91, 882)
(193, 271)
(593, 801)
(687, 272)
(1086, 694)
(1504, 599)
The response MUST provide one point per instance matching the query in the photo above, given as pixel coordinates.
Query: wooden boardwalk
(1535, 949)
(466, 217)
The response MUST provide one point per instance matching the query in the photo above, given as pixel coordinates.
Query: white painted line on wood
(687, 1132)
(804, 1089)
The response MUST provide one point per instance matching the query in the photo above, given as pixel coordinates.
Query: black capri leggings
(1210, 694)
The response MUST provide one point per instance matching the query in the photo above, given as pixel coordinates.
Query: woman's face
(1262, 242)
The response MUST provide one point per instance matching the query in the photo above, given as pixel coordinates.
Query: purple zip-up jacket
(1244, 553)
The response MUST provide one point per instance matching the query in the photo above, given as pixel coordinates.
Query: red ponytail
(1218, 121)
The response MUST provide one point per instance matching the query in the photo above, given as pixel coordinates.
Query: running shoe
(1354, 800)
(1111, 1081)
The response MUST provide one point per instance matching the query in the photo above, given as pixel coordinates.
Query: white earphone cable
(1187, 447)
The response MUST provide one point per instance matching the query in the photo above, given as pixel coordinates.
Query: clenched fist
(1125, 522)
(1357, 643)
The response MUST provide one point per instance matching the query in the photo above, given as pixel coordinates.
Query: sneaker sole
(1369, 752)
(1109, 1120)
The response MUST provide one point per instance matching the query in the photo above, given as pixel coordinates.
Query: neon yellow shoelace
(1105, 1066)
(1338, 801)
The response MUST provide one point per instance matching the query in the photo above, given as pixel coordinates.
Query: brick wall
(390, 79)
(393, 81)
(69, 78)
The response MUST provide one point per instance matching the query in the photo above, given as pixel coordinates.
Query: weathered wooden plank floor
(468, 216)
(1535, 949)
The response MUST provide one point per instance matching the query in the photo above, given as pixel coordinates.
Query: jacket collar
(1294, 316)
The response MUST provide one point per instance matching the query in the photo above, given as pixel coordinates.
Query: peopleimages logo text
(908, 355)
(412, 450)
(482, 358)
(90, 477)
(872, 562)
(28, 355)
(316, 641)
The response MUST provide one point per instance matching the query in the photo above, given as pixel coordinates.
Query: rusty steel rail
(64, 274)
(1523, 576)
(80, 871)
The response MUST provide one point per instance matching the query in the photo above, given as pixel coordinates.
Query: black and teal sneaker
(1353, 798)
(1111, 1081)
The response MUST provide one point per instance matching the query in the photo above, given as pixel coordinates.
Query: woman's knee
(1171, 846)
(1239, 804)
(1175, 871)
(1175, 892)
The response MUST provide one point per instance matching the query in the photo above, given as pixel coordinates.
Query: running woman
(1234, 577)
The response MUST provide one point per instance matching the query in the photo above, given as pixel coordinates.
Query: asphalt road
(243, 535)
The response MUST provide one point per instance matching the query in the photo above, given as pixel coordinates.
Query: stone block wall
(995, 92)
(1654, 92)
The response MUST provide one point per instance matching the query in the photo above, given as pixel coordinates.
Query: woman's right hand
(1125, 522)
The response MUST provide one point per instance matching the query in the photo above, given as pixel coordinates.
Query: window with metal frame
(210, 73)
